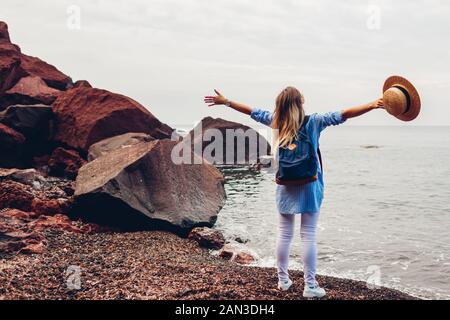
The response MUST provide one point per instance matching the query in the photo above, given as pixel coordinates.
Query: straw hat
(401, 99)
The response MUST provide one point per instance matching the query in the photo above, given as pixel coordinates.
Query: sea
(385, 218)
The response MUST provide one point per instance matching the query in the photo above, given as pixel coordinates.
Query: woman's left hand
(378, 104)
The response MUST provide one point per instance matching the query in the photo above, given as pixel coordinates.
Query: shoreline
(153, 265)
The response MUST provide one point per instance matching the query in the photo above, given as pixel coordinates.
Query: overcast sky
(168, 54)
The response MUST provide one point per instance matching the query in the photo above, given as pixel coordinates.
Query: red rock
(91, 228)
(244, 258)
(18, 214)
(29, 90)
(33, 66)
(11, 147)
(15, 65)
(237, 254)
(207, 238)
(4, 34)
(58, 221)
(50, 207)
(28, 191)
(88, 115)
(14, 231)
(35, 248)
(226, 253)
(65, 163)
(10, 71)
(21, 232)
(82, 83)
(10, 137)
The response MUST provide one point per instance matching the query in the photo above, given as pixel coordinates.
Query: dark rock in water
(30, 120)
(241, 240)
(245, 145)
(65, 163)
(207, 238)
(141, 187)
(88, 115)
(29, 90)
(11, 147)
(123, 141)
(33, 66)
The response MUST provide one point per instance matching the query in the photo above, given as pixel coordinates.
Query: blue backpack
(297, 163)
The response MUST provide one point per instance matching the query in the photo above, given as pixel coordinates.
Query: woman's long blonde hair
(288, 117)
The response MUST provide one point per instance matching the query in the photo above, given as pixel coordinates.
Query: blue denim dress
(305, 198)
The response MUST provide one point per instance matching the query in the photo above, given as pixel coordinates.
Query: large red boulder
(10, 70)
(88, 115)
(15, 65)
(28, 91)
(33, 66)
(140, 186)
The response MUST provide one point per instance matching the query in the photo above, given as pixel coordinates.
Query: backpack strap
(305, 121)
(320, 158)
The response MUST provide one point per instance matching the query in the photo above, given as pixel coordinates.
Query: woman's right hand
(378, 104)
(215, 100)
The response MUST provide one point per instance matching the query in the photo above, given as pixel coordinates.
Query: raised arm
(219, 99)
(362, 109)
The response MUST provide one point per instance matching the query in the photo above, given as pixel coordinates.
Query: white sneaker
(284, 285)
(315, 292)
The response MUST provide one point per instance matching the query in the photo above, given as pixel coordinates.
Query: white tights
(309, 250)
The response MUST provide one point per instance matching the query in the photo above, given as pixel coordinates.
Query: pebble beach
(152, 265)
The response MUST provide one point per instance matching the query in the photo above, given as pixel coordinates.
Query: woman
(305, 200)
